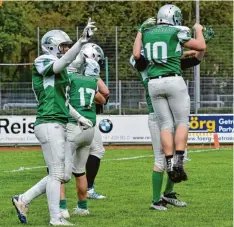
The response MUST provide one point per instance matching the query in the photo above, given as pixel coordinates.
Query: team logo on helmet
(105, 125)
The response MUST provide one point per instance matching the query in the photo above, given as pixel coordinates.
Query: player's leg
(68, 163)
(79, 163)
(159, 165)
(165, 121)
(179, 102)
(81, 189)
(52, 137)
(63, 202)
(96, 154)
(21, 202)
(169, 195)
(73, 136)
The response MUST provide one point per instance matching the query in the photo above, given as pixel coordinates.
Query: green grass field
(127, 184)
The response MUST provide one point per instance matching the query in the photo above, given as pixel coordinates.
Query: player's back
(82, 95)
(51, 91)
(162, 48)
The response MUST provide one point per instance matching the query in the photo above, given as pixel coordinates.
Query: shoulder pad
(45, 57)
(183, 28)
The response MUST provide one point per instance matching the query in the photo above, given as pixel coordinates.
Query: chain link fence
(216, 97)
(127, 93)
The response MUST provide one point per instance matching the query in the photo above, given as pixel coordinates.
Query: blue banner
(211, 123)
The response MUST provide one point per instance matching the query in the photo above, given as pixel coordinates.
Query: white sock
(35, 191)
(53, 197)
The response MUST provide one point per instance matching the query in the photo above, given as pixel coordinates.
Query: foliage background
(19, 21)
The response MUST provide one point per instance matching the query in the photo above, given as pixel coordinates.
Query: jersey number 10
(156, 51)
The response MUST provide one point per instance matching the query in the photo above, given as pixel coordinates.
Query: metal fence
(216, 94)
(127, 94)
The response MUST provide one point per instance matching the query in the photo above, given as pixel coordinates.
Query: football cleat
(160, 205)
(80, 211)
(61, 222)
(171, 198)
(175, 169)
(92, 194)
(178, 167)
(21, 208)
(64, 213)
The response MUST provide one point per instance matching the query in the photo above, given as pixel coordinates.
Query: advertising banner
(124, 129)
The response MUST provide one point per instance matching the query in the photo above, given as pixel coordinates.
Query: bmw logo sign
(105, 125)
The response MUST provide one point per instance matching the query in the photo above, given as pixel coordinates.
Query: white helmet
(91, 68)
(52, 40)
(93, 51)
(169, 14)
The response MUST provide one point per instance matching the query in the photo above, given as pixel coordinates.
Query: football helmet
(169, 14)
(93, 51)
(91, 68)
(51, 42)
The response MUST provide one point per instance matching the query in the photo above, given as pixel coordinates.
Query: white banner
(123, 129)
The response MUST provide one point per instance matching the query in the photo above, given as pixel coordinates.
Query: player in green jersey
(83, 95)
(169, 196)
(163, 45)
(96, 153)
(88, 61)
(93, 51)
(51, 87)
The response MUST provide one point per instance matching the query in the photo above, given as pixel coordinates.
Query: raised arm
(71, 54)
(198, 43)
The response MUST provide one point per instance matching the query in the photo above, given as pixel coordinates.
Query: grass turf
(127, 185)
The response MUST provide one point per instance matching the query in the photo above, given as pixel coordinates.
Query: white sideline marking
(22, 168)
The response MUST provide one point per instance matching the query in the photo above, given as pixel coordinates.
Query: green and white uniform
(169, 95)
(82, 94)
(163, 50)
(52, 93)
(97, 149)
(159, 157)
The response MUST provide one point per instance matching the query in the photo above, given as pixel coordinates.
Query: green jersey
(51, 91)
(144, 80)
(82, 94)
(163, 48)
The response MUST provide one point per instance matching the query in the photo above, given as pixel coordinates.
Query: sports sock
(83, 204)
(169, 186)
(92, 167)
(179, 152)
(169, 161)
(53, 197)
(157, 180)
(63, 204)
(35, 191)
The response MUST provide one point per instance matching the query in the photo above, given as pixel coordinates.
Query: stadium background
(22, 24)
(125, 174)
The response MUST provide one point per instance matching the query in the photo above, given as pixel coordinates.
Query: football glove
(208, 33)
(88, 31)
(150, 22)
(86, 123)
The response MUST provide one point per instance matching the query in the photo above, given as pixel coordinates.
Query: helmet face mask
(169, 14)
(177, 17)
(93, 51)
(55, 42)
(91, 67)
